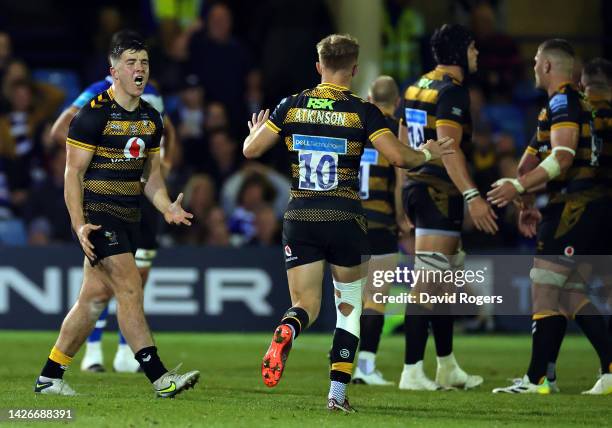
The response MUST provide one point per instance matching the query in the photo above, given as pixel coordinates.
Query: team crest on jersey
(134, 149)
(288, 251)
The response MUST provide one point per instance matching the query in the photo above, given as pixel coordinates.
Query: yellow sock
(60, 358)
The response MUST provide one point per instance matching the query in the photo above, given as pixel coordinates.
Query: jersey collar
(444, 72)
(333, 86)
(566, 83)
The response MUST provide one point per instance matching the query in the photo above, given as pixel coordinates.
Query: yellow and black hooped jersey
(602, 141)
(120, 141)
(377, 185)
(325, 130)
(436, 99)
(567, 108)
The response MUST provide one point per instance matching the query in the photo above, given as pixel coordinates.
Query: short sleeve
(276, 119)
(564, 111)
(375, 123)
(90, 92)
(453, 107)
(85, 129)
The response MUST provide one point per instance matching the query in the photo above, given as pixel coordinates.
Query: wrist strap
(427, 154)
(514, 181)
(471, 194)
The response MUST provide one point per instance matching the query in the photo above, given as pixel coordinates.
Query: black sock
(416, 330)
(296, 318)
(593, 325)
(557, 340)
(545, 330)
(442, 329)
(342, 355)
(150, 363)
(53, 370)
(371, 327)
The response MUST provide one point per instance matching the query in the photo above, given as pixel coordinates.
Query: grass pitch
(231, 393)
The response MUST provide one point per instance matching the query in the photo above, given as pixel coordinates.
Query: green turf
(231, 393)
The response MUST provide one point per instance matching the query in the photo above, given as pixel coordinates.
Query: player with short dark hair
(325, 130)
(437, 106)
(112, 143)
(569, 226)
(123, 361)
(380, 185)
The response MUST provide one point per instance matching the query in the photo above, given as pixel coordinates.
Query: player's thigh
(146, 241)
(123, 274)
(436, 215)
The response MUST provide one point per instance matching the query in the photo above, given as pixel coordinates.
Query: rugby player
(147, 241)
(112, 142)
(325, 130)
(438, 106)
(569, 223)
(380, 192)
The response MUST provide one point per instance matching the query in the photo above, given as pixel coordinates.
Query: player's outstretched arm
(77, 161)
(260, 138)
(155, 190)
(402, 156)
(59, 130)
(564, 142)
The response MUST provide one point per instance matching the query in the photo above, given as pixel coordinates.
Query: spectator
(109, 22)
(223, 160)
(255, 192)
(218, 232)
(19, 141)
(189, 121)
(499, 60)
(46, 203)
(267, 227)
(12, 230)
(226, 80)
(232, 186)
(199, 199)
(216, 117)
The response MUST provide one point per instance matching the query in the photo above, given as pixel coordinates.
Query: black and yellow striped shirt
(436, 99)
(567, 108)
(602, 141)
(377, 185)
(120, 141)
(325, 130)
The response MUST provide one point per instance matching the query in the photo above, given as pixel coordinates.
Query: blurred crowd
(215, 63)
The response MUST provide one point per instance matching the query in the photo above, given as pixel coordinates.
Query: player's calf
(346, 338)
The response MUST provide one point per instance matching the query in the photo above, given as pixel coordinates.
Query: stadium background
(215, 63)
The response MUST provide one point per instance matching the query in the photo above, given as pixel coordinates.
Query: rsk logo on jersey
(569, 251)
(320, 103)
(134, 149)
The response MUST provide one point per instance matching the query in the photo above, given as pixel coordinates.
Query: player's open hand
(528, 221)
(503, 193)
(83, 235)
(175, 214)
(257, 121)
(439, 148)
(483, 215)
